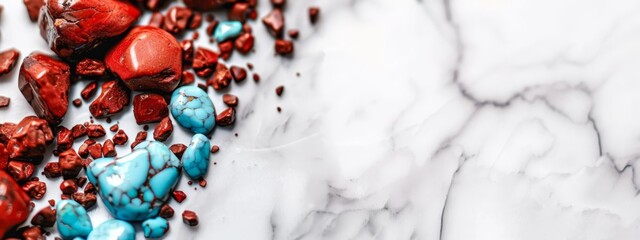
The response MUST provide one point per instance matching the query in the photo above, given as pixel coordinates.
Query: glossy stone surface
(113, 98)
(113, 229)
(44, 82)
(227, 30)
(134, 187)
(155, 227)
(193, 109)
(149, 108)
(72, 220)
(195, 160)
(148, 58)
(72, 28)
(8, 59)
(14, 203)
(30, 140)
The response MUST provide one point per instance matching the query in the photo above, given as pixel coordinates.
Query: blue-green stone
(195, 160)
(155, 227)
(72, 220)
(185, 102)
(113, 230)
(227, 30)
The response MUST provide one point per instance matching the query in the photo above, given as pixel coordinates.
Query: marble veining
(419, 119)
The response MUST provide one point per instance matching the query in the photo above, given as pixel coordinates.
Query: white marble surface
(452, 119)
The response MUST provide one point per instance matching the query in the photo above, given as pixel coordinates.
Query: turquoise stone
(72, 220)
(193, 109)
(134, 187)
(155, 227)
(113, 230)
(195, 160)
(227, 30)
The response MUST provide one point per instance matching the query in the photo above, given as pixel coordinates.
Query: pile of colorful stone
(96, 40)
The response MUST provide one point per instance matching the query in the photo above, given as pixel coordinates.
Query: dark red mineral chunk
(30, 140)
(226, 117)
(64, 138)
(73, 28)
(190, 218)
(44, 82)
(14, 203)
(148, 58)
(279, 90)
(221, 78)
(6, 130)
(178, 149)
(244, 43)
(45, 217)
(204, 62)
(156, 20)
(206, 5)
(52, 170)
(35, 189)
(95, 131)
(33, 8)
(109, 149)
(163, 130)
(284, 47)
(20, 171)
(166, 211)
(230, 100)
(4, 101)
(89, 90)
(238, 73)
(70, 163)
(187, 78)
(274, 22)
(239, 12)
(176, 19)
(90, 68)
(314, 13)
(113, 98)
(79, 130)
(179, 196)
(188, 51)
(226, 48)
(149, 108)
(87, 200)
(8, 60)
(69, 186)
(120, 138)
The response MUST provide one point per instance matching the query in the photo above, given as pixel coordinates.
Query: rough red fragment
(77, 102)
(83, 150)
(230, 100)
(109, 149)
(190, 218)
(8, 59)
(79, 130)
(46, 217)
(274, 21)
(256, 77)
(95, 131)
(314, 12)
(30, 140)
(73, 28)
(221, 78)
(20, 171)
(87, 200)
(176, 19)
(138, 62)
(226, 48)
(149, 108)
(33, 8)
(44, 82)
(238, 73)
(284, 47)
(113, 98)
(6, 130)
(244, 43)
(279, 90)
(166, 211)
(204, 62)
(14, 203)
(90, 188)
(202, 183)
(91, 68)
(114, 128)
(32, 233)
(70, 163)
(215, 149)
(69, 186)
(89, 90)
(178, 149)
(52, 170)
(95, 150)
(120, 138)
(188, 51)
(187, 78)
(163, 130)
(35, 189)
(293, 33)
(4, 101)
(226, 117)
(179, 196)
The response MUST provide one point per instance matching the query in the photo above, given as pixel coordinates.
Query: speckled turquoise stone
(227, 30)
(113, 230)
(155, 227)
(195, 160)
(193, 109)
(134, 187)
(72, 220)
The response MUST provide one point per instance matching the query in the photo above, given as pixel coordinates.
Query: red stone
(20, 171)
(313, 14)
(163, 130)
(204, 62)
(293, 33)
(109, 149)
(114, 128)
(4, 157)
(77, 102)
(35, 189)
(274, 22)
(195, 21)
(179, 196)
(176, 19)
(8, 60)
(166, 211)
(70, 163)
(73, 28)
(278, 3)
(156, 20)
(147, 58)
(113, 98)
(221, 78)
(32, 233)
(44, 82)
(226, 48)
(120, 138)
(14, 203)
(69, 186)
(279, 90)
(149, 108)
(95, 131)
(90, 188)
(33, 8)
(45, 217)
(230, 100)
(239, 12)
(89, 90)
(215, 149)
(30, 140)
(226, 117)
(6, 130)
(64, 138)
(187, 78)
(206, 5)
(4, 101)
(284, 47)
(83, 150)
(244, 43)
(95, 150)
(188, 51)
(91, 68)
(87, 200)
(52, 170)
(178, 149)
(190, 218)
(79, 130)
(238, 73)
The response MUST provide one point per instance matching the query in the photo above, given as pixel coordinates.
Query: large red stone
(206, 5)
(14, 203)
(44, 82)
(149, 108)
(113, 98)
(148, 58)
(30, 140)
(72, 28)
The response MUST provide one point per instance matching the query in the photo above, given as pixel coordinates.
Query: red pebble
(176, 19)
(45, 217)
(205, 5)
(138, 62)
(113, 98)
(195, 21)
(73, 28)
(178, 149)
(204, 62)
(87, 200)
(4, 101)
(89, 90)
(187, 78)
(30, 140)
(6, 130)
(226, 117)
(163, 130)
(114, 128)
(179, 195)
(314, 12)
(69, 186)
(64, 138)
(77, 102)
(33, 8)
(279, 90)
(95, 131)
(239, 12)
(95, 150)
(226, 48)
(44, 82)
(149, 108)
(274, 21)
(190, 218)
(120, 138)
(8, 60)
(244, 43)
(215, 149)
(221, 78)
(230, 100)
(166, 211)
(109, 149)
(20, 171)
(188, 51)
(70, 163)
(238, 73)
(52, 170)
(284, 47)
(293, 33)
(90, 68)
(14, 204)
(35, 189)
(78, 131)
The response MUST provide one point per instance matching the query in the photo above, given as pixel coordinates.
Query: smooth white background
(452, 119)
